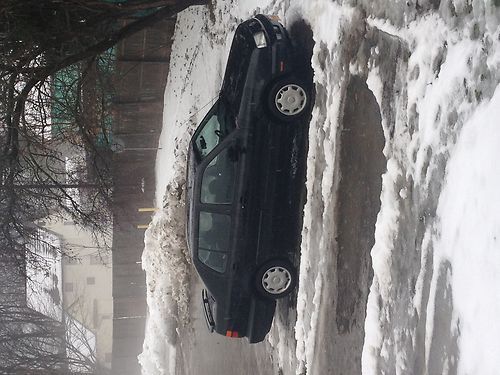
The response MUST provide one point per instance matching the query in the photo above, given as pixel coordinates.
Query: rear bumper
(260, 319)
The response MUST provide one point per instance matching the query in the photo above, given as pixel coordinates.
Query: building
(86, 272)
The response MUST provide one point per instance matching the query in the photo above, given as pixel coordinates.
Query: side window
(208, 137)
(217, 184)
(215, 127)
(213, 240)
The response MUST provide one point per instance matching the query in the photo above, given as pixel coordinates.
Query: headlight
(260, 39)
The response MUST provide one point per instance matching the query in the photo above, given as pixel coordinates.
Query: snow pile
(469, 207)
(167, 265)
(317, 237)
(416, 315)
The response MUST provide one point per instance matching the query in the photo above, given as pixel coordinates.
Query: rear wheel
(276, 279)
(288, 99)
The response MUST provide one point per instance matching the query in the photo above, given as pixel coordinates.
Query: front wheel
(288, 100)
(276, 279)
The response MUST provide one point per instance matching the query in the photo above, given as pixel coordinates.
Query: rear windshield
(237, 67)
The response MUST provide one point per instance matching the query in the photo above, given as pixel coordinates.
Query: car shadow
(362, 164)
(302, 36)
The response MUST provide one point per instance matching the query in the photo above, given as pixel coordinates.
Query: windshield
(216, 125)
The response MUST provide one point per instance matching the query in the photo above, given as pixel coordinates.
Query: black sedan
(245, 181)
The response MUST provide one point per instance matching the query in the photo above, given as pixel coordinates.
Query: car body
(245, 181)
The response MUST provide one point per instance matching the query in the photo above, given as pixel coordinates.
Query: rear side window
(208, 137)
(218, 123)
(213, 240)
(217, 185)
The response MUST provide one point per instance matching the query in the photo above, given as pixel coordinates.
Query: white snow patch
(469, 210)
(449, 74)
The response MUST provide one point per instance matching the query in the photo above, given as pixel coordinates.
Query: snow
(446, 82)
(470, 206)
(434, 299)
(168, 292)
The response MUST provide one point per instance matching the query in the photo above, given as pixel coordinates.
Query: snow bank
(469, 211)
(329, 23)
(167, 267)
(424, 269)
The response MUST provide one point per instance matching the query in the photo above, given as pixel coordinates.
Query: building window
(90, 280)
(68, 287)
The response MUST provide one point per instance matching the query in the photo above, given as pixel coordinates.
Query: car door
(218, 177)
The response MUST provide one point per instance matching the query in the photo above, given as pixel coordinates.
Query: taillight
(230, 333)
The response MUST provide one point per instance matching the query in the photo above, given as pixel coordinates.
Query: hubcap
(276, 280)
(290, 99)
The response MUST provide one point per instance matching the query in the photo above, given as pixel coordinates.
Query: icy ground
(428, 298)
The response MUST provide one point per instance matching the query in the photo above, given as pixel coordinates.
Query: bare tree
(28, 339)
(34, 342)
(54, 113)
(55, 90)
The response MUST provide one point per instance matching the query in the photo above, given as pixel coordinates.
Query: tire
(288, 100)
(276, 279)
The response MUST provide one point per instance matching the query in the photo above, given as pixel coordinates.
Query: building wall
(87, 283)
(142, 68)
